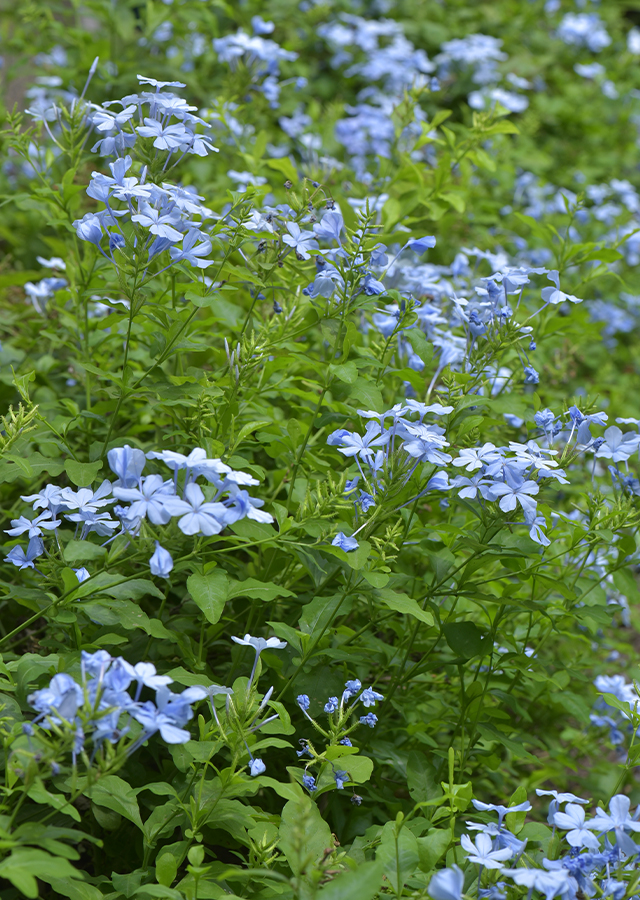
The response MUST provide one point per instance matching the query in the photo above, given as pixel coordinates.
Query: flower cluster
(150, 498)
(158, 115)
(163, 218)
(388, 452)
(339, 713)
(260, 55)
(586, 866)
(101, 708)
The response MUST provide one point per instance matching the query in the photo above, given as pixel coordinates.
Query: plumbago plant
(320, 476)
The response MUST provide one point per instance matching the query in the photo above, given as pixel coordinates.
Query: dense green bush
(318, 460)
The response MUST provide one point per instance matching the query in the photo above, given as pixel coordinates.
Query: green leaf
(421, 778)
(75, 890)
(166, 869)
(366, 396)
(362, 884)
(258, 590)
(346, 372)
(433, 847)
(39, 794)
(419, 343)
(209, 593)
(304, 834)
(115, 794)
(398, 854)
(404, 604)
(82, 551)
(465, 639)
(285, 166)
(82, 474)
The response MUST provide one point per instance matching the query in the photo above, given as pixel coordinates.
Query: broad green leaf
(432, 848)
(398, 854)
(421, 777)
(115, 794)
(304, 834)
(209, 593)
(361, 884)
(465, 639)
(82, 474)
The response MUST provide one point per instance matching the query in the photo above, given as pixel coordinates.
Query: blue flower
(301, 241)
(88, 228)
(23, 560)
(197, 516)
(344, 542)
(420, 245)
(330, 227)
(127, 463)
(370, 719)
(369, 697)
(331, 705)
(345, 742)
(193, 253)
(531, 376)
(257, 767)
(161, 563)
(447, 884)
(310, 783)
(82, 574)
(148, 499)
(340, 778)
(303, 702)
(372, 287)
(351, 688)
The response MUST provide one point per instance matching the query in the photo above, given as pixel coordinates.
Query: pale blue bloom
(33, 527)
(420, 245)
(22, 560)
(572, 820)
(82, 574)
(161, 562)
(301, 241)
(303, 702)
(331, 705)
(127, 463)
(482, 852)
(197, 516)
(447, 884)
(148, 499)
(619, 821)
(330, 227)
(257, 767)
(259, 644)
(89, 228)
(193, 253)
(515, 490)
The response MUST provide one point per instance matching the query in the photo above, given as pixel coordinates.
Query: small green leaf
(404, 604)
(285, 166)
(82, 474)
